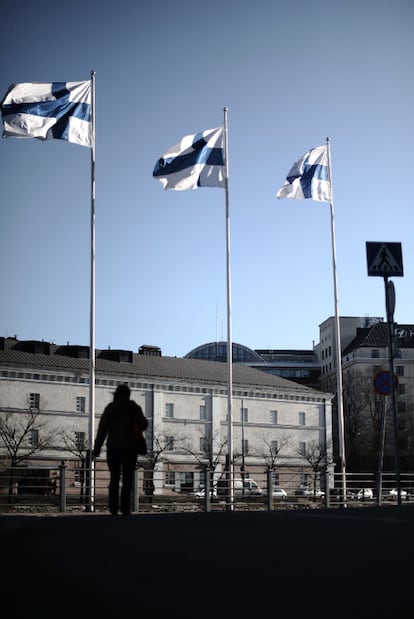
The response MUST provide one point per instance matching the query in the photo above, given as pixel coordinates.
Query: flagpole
(230, 464)
(339, 389)
(91, 430)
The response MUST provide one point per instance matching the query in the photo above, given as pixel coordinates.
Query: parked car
(362, 494)
(200, 494)
(309, 492)
(279, 493)
(242, 487)
(393, 494)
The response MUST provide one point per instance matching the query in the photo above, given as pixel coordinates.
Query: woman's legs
(114, 460)
(129, 461)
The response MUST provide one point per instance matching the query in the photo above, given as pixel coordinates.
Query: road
(323, 563)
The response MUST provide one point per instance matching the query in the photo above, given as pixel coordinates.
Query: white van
(242, 487)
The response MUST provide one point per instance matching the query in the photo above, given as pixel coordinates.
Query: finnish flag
(46, 111)
(197, 160)
(309, 177)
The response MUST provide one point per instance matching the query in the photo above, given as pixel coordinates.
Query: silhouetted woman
(122, 424)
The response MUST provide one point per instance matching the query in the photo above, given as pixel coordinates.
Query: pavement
(325, 563)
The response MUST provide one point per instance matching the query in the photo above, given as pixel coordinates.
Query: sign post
(385, 382)
(385, 260)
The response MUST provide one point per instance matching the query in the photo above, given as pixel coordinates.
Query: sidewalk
(331, 563)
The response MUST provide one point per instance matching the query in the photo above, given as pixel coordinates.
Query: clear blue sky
(291, 74)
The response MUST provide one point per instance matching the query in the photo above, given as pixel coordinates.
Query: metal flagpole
(339, 390)
(91, 430)
(230, 464)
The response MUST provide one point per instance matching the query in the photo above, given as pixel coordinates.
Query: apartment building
(365, 353)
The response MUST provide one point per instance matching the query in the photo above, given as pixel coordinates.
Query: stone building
(365, 351)
(185, 401)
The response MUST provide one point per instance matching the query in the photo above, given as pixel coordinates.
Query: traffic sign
(384, 259)
(385, 382)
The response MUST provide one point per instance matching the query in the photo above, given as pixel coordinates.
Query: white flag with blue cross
(47, 111)
(197, 160)
(309, 177)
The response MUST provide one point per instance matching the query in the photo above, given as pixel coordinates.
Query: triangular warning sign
(384, 259)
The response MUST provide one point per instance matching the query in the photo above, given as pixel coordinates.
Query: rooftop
(36, 355)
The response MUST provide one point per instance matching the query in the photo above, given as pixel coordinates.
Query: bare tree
(210, 457)
(162, 443)
(270, 451)
(22, 435)
(77, 444)
(361, 421)
(318, 457)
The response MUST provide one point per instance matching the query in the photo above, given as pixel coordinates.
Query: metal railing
(65, 488)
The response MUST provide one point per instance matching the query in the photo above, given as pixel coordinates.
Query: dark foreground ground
(355, 563)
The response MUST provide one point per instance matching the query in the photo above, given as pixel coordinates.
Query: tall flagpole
(339, 389)
(91, 431)
(230, 464)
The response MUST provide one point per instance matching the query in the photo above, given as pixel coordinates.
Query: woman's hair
(122, 392)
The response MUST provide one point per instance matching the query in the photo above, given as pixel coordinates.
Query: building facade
(366, 353)
(44, 395)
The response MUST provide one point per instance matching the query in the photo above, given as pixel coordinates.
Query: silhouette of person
(122, 423)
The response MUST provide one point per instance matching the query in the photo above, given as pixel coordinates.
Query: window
(274, 447)
(244, 415)
(169, 443)
(302, 448)
(401, 407)
(80, 440)
(302, 420)
(375, 353)
(401, 389)
(273, 417)
(203, 443)
(186, 481)
(35, 401)
(203, 411)
(275, 478)
(34, 438)
(245, 446)
(170, 478)
(80, 404)
(169, 410)
(399, 370)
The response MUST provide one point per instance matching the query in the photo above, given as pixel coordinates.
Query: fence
(65, 488)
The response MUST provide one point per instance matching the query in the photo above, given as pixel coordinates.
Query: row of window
(375, 354)
(205, 443)
(244, 414)
(79, 442)
(327, 353)
(205, 446)
(169, 410)
(34, 402)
